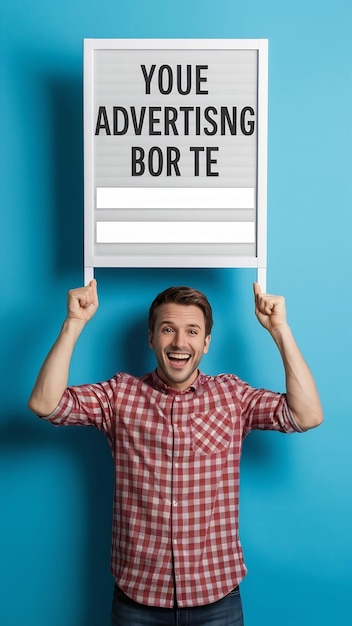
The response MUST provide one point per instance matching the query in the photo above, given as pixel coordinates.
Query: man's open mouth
(178, 357)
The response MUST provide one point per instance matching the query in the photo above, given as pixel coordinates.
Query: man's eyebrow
(190, 325)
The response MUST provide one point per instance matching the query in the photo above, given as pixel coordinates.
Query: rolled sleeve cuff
(293, 422)
(62, 411)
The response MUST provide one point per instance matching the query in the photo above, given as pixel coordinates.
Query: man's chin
(178, 378)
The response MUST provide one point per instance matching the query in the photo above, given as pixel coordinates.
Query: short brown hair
(186, 296)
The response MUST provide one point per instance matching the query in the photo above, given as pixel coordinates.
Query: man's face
(179, 342)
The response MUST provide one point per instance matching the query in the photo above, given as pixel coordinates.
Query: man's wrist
(73, 326)
(281, 333)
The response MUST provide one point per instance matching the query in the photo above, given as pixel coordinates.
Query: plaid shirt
(177, 458)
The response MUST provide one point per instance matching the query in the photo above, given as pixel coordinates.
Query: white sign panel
(175, 153)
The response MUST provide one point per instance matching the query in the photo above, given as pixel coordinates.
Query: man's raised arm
(301, 392)
(51, 383)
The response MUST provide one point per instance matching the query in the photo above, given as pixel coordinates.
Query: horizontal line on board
(175, 197)
(175, 232)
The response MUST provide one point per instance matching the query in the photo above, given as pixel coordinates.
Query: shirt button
(176, 464)
(175, 503)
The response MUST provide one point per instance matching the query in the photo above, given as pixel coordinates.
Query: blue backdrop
(296, 494)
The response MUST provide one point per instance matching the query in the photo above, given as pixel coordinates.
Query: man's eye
(193, 332)
(167, 330)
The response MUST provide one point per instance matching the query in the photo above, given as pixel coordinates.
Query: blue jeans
(224, 612)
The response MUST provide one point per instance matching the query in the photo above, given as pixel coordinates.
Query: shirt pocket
(211, 431)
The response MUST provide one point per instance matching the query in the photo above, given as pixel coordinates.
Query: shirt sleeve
(266, 410)
(87, 405)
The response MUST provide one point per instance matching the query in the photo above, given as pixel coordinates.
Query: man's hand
(82, 303)
(270, 310)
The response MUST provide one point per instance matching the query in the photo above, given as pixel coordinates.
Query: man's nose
(179, 339)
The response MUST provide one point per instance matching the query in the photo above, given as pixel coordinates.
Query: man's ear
(206, 344)
(151, 337)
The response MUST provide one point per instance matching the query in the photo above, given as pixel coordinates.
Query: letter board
(175, 153)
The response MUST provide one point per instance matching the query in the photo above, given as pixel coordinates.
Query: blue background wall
(56, 484)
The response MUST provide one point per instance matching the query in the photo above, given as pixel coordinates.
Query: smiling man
(176, 438)
(180, 334)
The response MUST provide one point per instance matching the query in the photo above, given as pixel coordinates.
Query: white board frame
(91, 259)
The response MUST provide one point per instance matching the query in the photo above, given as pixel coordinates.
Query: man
(176, 437)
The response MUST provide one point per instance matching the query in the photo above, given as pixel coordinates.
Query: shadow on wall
(22, 437)
(66, 104)
(23, 440)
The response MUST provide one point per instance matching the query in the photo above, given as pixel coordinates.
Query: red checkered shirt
(177, 458)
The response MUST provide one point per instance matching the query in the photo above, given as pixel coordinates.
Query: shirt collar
(159, 385)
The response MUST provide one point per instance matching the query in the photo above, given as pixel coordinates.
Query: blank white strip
(175, 198)
(175, 232)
